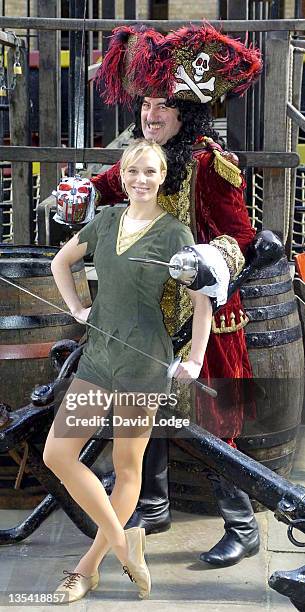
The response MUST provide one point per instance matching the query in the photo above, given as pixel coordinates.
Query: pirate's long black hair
(196, 121)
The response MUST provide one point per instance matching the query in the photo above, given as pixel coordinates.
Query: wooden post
(237, 107)
(49, 95)
(275, 131)
(90, 106)
(109, 113)
(78, 85)
(23, 225)
(296, 101)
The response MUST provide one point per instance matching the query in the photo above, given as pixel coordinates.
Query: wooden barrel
(274, 340)
(28, 330)
(29, 327)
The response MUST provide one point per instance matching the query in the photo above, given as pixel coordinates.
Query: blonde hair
(135, 150)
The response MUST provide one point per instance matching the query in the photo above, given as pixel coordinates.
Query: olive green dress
(127, 304)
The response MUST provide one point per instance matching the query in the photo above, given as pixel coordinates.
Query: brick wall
(18, 8)
(182, 9)
(178, 9)
(119, 9)
(289, 9)
(142, 9)
(188, 9)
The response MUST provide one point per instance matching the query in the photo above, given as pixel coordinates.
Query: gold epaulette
(227, 170)
(97, 196)
(233, 327)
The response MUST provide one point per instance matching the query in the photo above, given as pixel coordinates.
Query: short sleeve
(181, 236)
(89, 233)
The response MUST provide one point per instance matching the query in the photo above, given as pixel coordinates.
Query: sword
(171, 367)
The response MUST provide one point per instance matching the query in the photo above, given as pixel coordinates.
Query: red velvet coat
(220, 209)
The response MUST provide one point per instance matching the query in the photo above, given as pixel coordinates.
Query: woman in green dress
(127, 306)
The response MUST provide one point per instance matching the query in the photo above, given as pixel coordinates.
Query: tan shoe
(75, 586)
(136, 567)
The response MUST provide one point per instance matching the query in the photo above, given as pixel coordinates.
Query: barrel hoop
(11, 250)
(266, 440)
(263, 313)
(281, 267)
(253, 291)
(273, 338)
(26, 351)
(29, 322)
(276, 463)
(27, 268)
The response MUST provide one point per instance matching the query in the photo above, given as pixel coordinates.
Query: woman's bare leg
(61, 455)
(127, 461)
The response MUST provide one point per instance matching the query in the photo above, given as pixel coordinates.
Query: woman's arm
(201, 328)
(61, 265)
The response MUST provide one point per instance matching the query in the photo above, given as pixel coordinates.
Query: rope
(289, 145)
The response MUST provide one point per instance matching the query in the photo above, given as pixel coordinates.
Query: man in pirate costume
(171, 82)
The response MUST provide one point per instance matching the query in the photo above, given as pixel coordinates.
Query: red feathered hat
(195, 63)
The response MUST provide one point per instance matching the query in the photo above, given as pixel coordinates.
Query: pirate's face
(159, 122)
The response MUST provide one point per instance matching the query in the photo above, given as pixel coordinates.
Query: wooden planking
(275, 126)
(297, 42)
(49, 95)
(9, 40)
(21, 170)
(293, 112)
(164, 25)
(262, 159)
(43, 219)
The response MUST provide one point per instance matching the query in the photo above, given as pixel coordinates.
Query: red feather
(108, 79)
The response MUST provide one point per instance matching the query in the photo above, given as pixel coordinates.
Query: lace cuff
(214, 260)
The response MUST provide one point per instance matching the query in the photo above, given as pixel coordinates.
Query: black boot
(292, 584)
(241, 537)
(152, 511)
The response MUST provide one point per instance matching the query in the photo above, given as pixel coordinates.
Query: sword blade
(67, 312)
(156, 262)
(205, 388)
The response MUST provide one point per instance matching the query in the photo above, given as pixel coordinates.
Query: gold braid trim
(231, 253)
(227, 170)
(176, 304)
(233, 327)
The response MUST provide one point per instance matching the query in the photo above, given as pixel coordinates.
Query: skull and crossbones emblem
(200, 65)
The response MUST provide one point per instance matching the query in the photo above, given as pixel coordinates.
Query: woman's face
(143, 177)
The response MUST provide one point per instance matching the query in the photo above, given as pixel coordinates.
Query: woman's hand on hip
(81, 314)
(188, 371)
